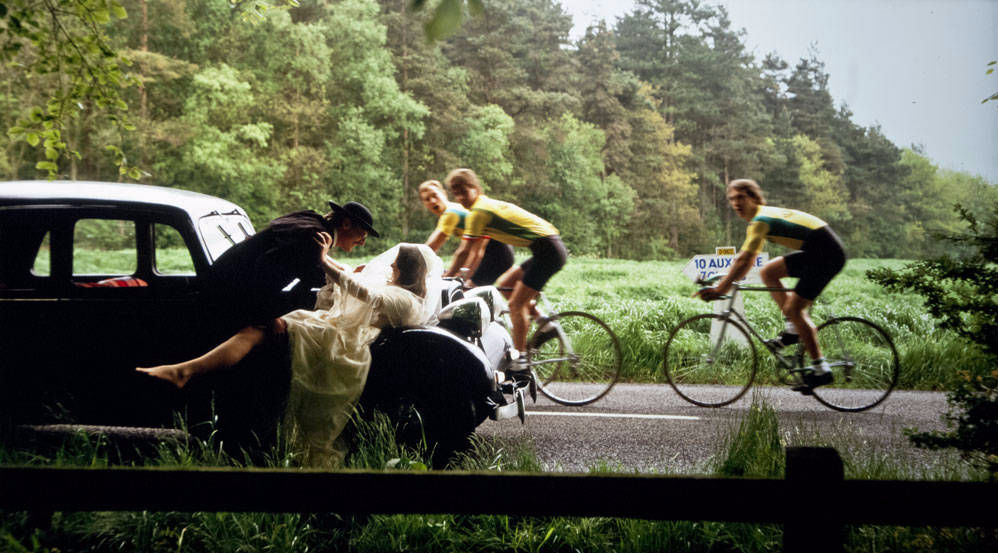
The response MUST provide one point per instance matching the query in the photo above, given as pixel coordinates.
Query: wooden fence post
(814, 475)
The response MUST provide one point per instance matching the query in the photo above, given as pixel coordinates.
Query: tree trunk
(727, 212)
(144, 46)
(404, 85)
(143, 94)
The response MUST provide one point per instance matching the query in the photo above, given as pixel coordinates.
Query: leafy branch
(962, 293)
(991, 69)
(62, 45)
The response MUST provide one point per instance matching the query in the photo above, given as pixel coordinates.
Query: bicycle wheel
(578, 364)
(710, 360)
(864, 363)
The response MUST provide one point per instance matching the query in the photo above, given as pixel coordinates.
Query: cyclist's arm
(755, 237)
(739, 268)
(468, 254)
(436, 240)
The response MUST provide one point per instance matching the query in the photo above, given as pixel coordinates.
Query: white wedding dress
(330, 356)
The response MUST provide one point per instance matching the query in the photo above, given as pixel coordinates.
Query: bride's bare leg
(226, 354)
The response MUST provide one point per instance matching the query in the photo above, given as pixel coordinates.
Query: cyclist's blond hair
(750, 188)
(463, 178)
(431, 182)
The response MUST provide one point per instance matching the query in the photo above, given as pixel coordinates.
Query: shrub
(962, 293)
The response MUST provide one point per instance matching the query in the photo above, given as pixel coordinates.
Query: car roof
(113, 193)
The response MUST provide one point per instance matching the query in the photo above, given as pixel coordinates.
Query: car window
(42, 267)
(104, 247)
(171, 254)
(222, 231)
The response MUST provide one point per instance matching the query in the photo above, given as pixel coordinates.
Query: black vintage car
(98, 278)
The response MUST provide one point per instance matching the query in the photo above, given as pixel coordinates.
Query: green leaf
(445, 20)
(119, 11)
(101, 16)
(51, 154)
(47, 166)
(32, 139)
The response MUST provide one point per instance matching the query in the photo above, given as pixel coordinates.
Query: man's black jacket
(255, 272)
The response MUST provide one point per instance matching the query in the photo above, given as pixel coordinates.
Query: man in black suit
(272, 272)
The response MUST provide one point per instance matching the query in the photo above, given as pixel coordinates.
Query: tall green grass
(642, 301)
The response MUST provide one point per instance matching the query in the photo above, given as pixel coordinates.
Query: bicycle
(706, 352)
(574, 357)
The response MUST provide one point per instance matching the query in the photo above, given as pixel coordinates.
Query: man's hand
(325, 241)
(709, 294)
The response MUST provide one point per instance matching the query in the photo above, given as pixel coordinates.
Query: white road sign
(708, 265)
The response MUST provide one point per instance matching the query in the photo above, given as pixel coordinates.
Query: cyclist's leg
(509, 279)
(795, 308)
(821, 259)
(771, 273)
(549, 256)
(519, 313)
(804, 266)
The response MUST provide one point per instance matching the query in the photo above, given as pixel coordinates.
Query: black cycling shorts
(820, 258)
(496, 260)
(549, 256)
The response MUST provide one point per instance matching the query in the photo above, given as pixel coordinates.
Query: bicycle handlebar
(708, 281)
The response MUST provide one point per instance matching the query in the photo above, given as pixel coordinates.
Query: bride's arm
(338, 274)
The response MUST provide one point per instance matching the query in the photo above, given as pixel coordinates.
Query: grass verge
(754, 447)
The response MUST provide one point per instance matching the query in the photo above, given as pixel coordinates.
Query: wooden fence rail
(814, 484)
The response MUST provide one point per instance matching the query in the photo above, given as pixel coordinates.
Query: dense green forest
(623, 139)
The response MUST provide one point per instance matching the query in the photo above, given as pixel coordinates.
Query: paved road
(649, 428)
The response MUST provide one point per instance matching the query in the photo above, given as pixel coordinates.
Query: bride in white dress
(330, 357)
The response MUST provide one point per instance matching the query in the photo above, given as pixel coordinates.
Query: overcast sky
(915, 67)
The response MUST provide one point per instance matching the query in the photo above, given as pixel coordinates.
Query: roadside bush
(962, 293)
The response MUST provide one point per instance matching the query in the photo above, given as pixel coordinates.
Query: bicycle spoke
(579, 364)
(864, 364)
(709, 367)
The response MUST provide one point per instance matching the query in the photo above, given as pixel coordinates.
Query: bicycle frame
(791, 363)
(570, 354)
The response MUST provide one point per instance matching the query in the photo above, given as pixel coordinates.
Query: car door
(107, 289)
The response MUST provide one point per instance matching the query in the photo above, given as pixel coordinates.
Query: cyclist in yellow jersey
(819, 258)
(498, 257)
(510, 224)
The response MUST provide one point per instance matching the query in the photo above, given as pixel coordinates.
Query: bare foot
(170, 373)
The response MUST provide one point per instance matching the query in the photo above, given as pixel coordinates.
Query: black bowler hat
(357, 213)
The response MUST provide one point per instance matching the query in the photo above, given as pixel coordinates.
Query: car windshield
(221, 231)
